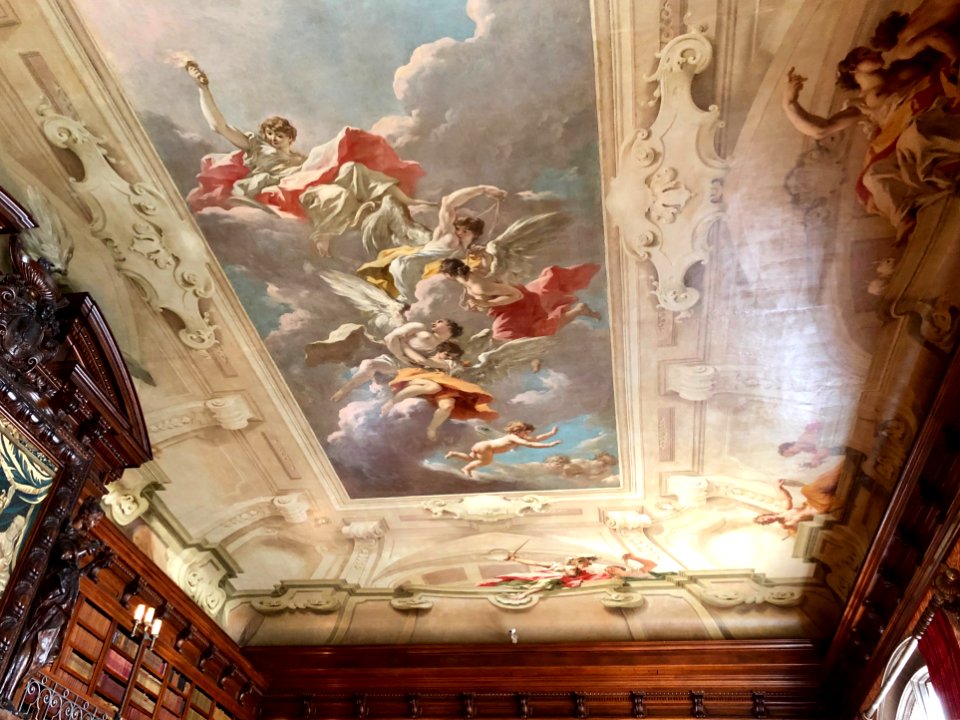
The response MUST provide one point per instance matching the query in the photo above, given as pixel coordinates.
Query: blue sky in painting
(323, 64)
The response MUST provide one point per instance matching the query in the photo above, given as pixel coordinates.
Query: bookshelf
(99, 660)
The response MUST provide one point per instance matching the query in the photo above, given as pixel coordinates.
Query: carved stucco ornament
(289, 599)
(668, 192)
(200, 575)
(151, 245)
(230, 412)
(486, 508)
(408, 601)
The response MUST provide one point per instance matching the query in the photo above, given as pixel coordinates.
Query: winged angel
(418, 361)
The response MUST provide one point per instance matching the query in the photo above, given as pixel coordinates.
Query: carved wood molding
(186, 628)
(78, 419)
(921, 525)
(563, 680)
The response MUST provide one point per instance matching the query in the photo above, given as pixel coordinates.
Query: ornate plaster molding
(893, 439)
(405, 602)
(363, 530)
(290, 599)
(125, 501)
(668, 192)
(748, 593)
(230, 412)
(486, 508)
(200, 575)
(150, 245)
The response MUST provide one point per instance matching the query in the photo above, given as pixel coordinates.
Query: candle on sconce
(155, 630)
(138, 614)
(148, 618)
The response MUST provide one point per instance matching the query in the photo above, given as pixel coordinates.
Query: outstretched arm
(450, 203)
(534, 444)
(934, 38)
(546, 435)
(495, 294)
(806, 122)
(211, 111)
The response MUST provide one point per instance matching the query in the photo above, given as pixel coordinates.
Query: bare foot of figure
(321, 241)
(387, 407)
(338, 395)
(431, 434)
(590, 312)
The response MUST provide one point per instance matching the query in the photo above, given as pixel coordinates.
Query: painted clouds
(511, 106)
(521, 88)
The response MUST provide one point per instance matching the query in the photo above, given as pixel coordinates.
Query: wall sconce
(144, 624)
(146, 628)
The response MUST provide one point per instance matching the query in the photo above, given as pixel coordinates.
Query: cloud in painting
(553, 383)
(495, 108)
(560, 473)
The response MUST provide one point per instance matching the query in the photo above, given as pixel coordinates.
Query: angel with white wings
(536, 309)
(457, 394)
(387, 341)
(412, 247)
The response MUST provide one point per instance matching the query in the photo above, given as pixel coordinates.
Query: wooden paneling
(552, 680)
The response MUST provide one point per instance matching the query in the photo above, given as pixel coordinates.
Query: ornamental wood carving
(64, 386)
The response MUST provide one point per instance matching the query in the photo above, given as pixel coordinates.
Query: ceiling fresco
(520, 310)
(334, 236)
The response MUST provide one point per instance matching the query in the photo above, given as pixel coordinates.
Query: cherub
(457, 394)
(452, 397)
(600, 464)
(517, 434)
(509, 257)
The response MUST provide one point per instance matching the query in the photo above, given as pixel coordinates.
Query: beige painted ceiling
(728, 365)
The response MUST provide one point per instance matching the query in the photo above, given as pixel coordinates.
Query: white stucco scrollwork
(292, 599)
(125, 500)
(668, 192)
(411, 602)
(230, 412)
(694, 382)
(200, 575)
(158, 251)
(363, 530)
(292, 507)
(513, 601)
(621, 599)
(626, 520)
(486, 508)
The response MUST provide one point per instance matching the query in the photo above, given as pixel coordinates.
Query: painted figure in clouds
(516, 434)
(332, 186)
(907, 93)
(398, 269)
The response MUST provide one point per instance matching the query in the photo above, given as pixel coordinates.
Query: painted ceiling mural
(516, 310)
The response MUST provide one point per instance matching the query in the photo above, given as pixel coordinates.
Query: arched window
(918, 700)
